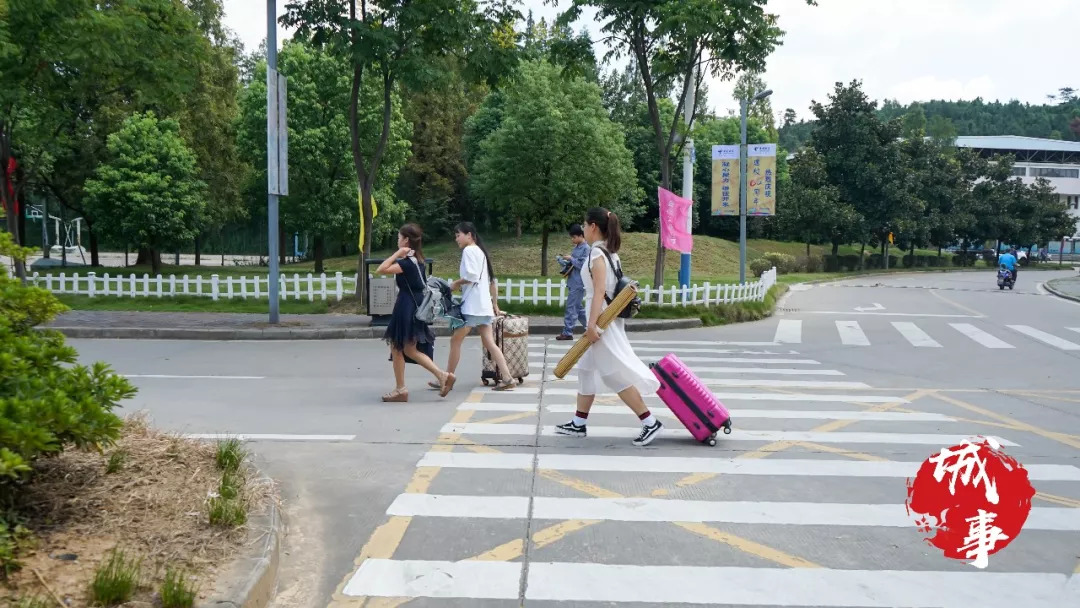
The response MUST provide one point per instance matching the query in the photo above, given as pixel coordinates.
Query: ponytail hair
(470, 229)
(608, 224)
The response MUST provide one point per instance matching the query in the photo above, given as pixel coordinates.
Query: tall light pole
(688, 178)
(273, 164)
(743, 106)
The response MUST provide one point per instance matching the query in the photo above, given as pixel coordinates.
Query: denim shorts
(477, 320)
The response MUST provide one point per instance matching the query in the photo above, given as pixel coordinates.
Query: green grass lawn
(714, 259)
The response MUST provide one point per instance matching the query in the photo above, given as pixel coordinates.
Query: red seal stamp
(971, 500)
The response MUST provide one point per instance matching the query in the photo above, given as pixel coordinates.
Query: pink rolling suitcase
(691, 401)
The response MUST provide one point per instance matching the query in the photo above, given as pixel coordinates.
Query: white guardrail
(322, 287)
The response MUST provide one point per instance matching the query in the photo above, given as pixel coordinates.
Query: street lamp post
(743, 107)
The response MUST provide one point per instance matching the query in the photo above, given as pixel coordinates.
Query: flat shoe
(450, 380)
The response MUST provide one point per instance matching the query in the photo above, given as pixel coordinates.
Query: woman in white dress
(610, 360)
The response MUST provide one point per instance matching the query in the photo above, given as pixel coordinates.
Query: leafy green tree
(48, 401)
(813, 212)
(208, 120)
(748, 85)
(554, 154)
(671, 42)
(398, 43)
(864, 161)
(74, 71)
(435, 178)
(147, 191)
(322, 197)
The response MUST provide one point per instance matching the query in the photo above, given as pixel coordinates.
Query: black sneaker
(648, 433)
(571, 429)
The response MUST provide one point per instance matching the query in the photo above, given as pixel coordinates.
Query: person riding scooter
(1008, 260)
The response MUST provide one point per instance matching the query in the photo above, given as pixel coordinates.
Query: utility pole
(277, 163)
(688, 177)
(744, 106)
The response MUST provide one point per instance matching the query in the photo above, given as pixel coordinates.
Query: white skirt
(611, 361)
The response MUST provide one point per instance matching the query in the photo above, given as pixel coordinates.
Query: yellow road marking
(507, 418)
(515, 548)
(970, 311)
(1060, 500)
(778, 446)
(385, 540)
(1044, 396)
(841, 451)
(747, 546)
(1077, 569)
(1068, 440)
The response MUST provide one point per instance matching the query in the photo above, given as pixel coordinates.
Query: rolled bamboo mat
(608, 315)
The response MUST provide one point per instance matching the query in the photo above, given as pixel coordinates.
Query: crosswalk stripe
(765, 467)
(704, 351)
(1076, 329)
(980, 336)
(942, 440)
(1045, 338)
(724, 360)
(914, 335)
(1062, 519)
(851, 333)
(673, 349)
(704, 373)
(729, 382)
(654, 585)
(788, 331)
(735, 414)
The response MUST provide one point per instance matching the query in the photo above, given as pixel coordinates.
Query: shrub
(785, 264)
(47, 401)
(849, 262)
(832, 263)
(812, 263)
(759, 266)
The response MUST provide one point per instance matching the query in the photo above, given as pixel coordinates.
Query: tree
(789, 118)
(209, 117)
(813, 212)
(674, 41)
(147, 192)
(74, 71)
(435, 179)
(748, 85)
(322, 185)
(863, 160)
(395, 42)
(554, 154)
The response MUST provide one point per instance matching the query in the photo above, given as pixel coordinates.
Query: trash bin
(382, 292)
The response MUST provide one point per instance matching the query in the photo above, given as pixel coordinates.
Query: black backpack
(621, 282)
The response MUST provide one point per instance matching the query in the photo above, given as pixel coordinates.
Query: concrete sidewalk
(1068, 288)
(245, 326)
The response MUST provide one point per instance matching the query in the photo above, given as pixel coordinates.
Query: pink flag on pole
(674, 211)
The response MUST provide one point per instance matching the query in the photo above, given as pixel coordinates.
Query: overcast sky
(910, 50)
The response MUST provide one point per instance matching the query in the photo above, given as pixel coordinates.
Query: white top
(476, 294)
(597, 257)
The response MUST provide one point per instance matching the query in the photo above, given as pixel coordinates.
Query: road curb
(252, 578)
(1049, 285)
(324, 333)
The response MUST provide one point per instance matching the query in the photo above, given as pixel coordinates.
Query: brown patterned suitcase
(512, 337)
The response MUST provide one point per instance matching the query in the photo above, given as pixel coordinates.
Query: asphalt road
(836, 401)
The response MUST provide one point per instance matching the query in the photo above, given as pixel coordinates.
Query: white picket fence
(322, 287)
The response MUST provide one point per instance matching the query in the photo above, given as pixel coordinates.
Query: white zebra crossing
(851, 333)
(619, 580)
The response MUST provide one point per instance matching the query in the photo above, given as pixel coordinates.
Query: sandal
(504, 385)
(435, 386)
(448, 384)
(398, 395)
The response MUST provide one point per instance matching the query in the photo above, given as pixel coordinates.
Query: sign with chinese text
(674, 212)
(761, 179)
(725, 180)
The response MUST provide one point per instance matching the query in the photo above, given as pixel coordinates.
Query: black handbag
(621, 282)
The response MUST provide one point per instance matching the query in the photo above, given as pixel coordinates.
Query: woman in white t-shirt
(611, 360)
(479, 303)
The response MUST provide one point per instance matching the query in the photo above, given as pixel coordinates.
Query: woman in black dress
(411, 341)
